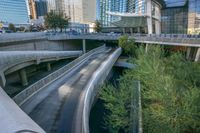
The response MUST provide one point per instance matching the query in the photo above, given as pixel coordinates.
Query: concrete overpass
(61, 102)
(11, 61)
(163, 39)
(191, 42)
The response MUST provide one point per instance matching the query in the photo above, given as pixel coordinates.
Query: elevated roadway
(63, 105)
(162, 39)
(11, 61)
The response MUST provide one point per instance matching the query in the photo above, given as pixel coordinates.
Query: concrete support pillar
(84, 46)
(197, 57)
(149, 17)
(2, 79)
(188, 53)
(146, 47)
(124, 31)
(158, 27)
(131, 30)
(23, 77)
(138, 30)
(48, 67)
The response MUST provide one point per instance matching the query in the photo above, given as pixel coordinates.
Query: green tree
(97, 27)
(128, 45)
(54, 21)
(170, 89)
(117, 102)
(21, 28)
(12, 27)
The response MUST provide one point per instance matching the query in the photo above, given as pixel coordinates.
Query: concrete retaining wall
(93, 87)
(42, 45)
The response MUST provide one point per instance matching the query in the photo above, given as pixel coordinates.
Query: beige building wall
(89, 11)
(51, 5)
(32, 9)
(81, 11)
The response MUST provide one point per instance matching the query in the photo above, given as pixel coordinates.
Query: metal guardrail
(92, 87)
(34, 88)
(136, 109)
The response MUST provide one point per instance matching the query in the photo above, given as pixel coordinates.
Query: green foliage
(127, 45)
(97, 27)
(170, 90)
(21, 28)
(117, 102)
(53, 21)
(12, 27)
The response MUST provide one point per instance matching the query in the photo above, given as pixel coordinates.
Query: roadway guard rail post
(92, 87)
(34, 88)
(136, 109)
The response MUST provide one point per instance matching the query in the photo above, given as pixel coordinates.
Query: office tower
(41, 7)
(181, 17)
(141, 16)
(14, 11)
(32, 9)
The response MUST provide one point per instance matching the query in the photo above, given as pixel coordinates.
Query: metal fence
(34, 88)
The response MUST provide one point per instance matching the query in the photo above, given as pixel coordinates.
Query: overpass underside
(58, 107)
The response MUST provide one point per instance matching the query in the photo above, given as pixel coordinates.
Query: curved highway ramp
(59, 107)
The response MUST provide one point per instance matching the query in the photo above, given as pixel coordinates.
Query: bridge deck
(57, 106)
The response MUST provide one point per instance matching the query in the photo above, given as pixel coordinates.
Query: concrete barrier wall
(93, 87)
(13, 119)
(33, 89)
(15, 37)
(34, 45)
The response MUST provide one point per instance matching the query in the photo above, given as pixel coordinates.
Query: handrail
(34, 88)
(91, 88)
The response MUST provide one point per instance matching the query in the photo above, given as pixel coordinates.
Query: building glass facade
(14, 11)
(182, 19)
(41, 8)
(194, 17)
(175, 20)
(105, 9)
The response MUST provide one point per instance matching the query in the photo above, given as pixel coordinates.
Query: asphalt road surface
(57, 108)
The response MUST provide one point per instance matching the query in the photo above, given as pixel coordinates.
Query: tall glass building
(193, 16)
(14, 11)
(175, 19)
(182, 17)
(137, 15)
(41, 8)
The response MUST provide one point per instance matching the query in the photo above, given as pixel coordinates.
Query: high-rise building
(51, 5)
(41, 7)
(193, 16)
(182, 17)
(175, 19)
(80, 11)
(137, 15)
(32, 9)
(14, 11)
